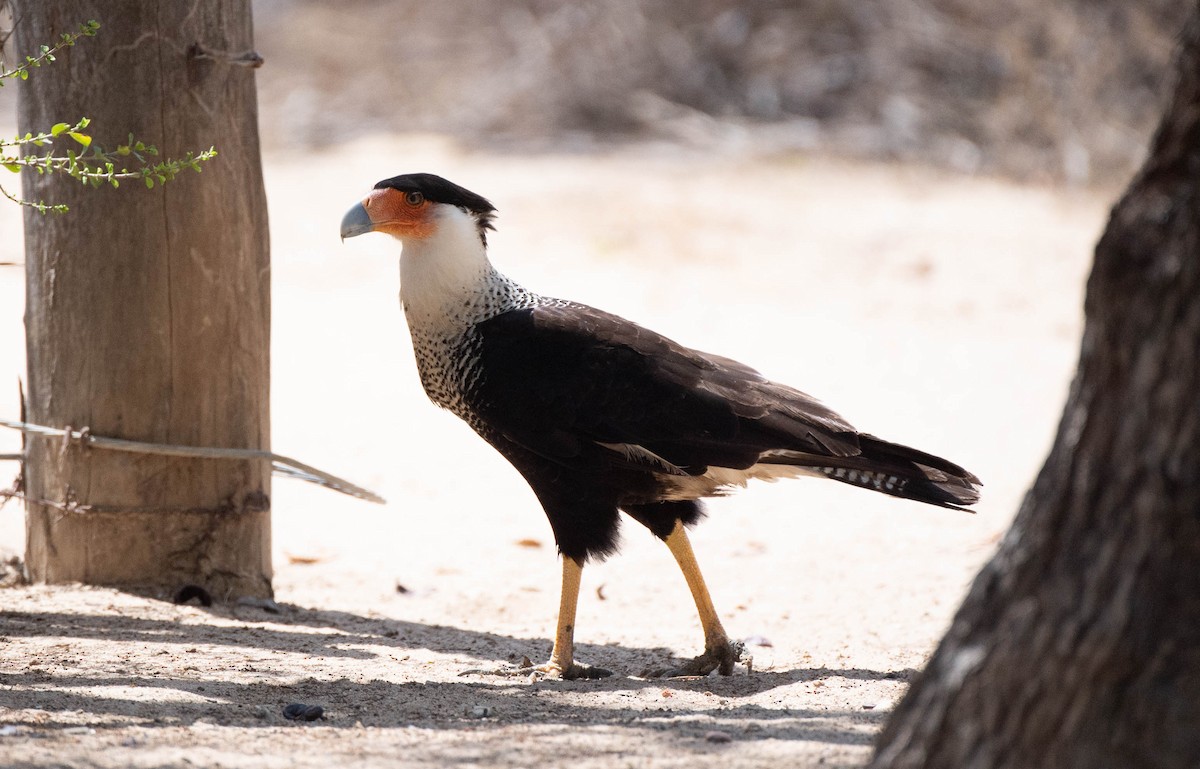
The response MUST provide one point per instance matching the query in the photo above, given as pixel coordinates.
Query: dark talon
(721, 658)
(575, 672)
(585, 672)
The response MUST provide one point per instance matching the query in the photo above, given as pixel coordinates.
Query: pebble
(298, 711)
(483, 711)
(717, 737)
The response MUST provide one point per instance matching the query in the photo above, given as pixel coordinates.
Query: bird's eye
(414, 198)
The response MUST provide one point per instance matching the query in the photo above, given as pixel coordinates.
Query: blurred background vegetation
(1056, 91)
(1040, 91)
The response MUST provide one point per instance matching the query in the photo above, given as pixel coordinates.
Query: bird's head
(412, 207)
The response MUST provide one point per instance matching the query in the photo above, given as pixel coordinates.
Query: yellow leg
(562, 657)
(719, 653)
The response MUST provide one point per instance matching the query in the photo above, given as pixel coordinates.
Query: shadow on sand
(175, 694)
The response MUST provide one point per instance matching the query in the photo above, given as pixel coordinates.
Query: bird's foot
(571, 672)
(720, 656)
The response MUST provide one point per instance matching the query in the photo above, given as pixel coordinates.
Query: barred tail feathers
(897, 470)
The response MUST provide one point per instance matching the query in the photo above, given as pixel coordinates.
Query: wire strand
(280, 464)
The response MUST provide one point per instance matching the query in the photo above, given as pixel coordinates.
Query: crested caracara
(602, 416)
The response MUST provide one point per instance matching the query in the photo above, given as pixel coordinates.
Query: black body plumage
(559, 385)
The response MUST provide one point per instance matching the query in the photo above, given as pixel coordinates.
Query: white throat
(447, 286)
(442, 273)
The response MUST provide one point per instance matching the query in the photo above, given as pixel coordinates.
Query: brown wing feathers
(801, 431)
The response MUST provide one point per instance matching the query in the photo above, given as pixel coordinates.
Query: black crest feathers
(439, 190)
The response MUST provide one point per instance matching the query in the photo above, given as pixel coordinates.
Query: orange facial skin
(400, 214)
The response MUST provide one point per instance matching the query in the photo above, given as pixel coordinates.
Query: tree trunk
(148, 309)
(1079, 643)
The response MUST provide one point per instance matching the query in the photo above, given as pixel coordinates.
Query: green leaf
(83, 139)
(149, 183)
(16, 169)
(58, 129)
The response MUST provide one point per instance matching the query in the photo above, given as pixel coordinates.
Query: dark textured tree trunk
(1079, 643)
(148, 310)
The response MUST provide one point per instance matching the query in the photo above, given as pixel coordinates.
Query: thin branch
(46, 54)
(40, 206)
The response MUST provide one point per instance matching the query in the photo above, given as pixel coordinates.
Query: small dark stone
(298, 711)
(188, 592)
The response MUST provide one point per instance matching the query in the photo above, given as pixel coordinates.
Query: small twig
(18, 486)
(46, 53)
(39, 205)
(69, 506)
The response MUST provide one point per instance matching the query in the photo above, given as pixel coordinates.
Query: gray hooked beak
(356, 222)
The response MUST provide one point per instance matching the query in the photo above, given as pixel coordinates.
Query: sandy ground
(939, 311)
